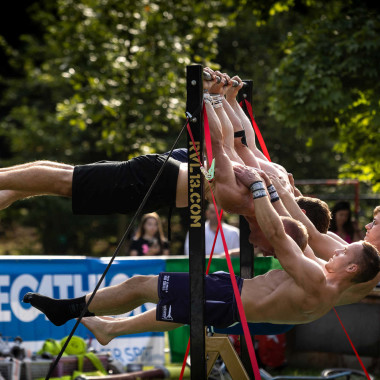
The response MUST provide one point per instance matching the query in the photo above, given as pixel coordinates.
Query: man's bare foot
(101, 327)
(7, 197)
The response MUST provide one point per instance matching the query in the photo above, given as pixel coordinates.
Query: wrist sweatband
(242, 135)
(258, 190)
(217, 100)
(273, 193)
(207, 98)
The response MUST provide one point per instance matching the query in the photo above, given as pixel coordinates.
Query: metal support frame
(246, 248)
(194, 75)
(222, 346)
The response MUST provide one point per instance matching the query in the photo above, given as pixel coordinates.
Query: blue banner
(68, 277)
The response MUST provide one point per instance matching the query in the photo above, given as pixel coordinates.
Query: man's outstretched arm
(323, 245)
(305, 272)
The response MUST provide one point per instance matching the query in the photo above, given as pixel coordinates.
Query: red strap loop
(239, 303)
(243, 319)
(352, 345)
(257, 130)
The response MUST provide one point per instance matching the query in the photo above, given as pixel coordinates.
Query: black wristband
(259, 194)
(273, 193)
(257, 185)
(242, 135)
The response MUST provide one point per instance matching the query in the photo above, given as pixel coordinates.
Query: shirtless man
(304, 291)
(324, 245)
(118, 187)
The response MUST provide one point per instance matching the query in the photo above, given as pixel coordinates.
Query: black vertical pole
(246, 248)
(196, 225)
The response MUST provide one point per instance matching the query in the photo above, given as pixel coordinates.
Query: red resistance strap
(209, 157)
(243, 318)
(256, 128)
(207, 271)
(265, 151)
(352, 345)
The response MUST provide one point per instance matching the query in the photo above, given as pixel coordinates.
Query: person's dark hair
(296, 230)
(160, 236)
(368, 263)
(317, 211)
(348, 226)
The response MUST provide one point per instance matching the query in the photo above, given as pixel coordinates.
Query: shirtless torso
(233, 197)
(275, 297)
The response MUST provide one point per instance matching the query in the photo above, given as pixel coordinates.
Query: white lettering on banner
(12, 291)
(118, 279)
(63, 282)
(5, 315)
(46, 286)
(20, 283)
(144, 350)
(93, 279)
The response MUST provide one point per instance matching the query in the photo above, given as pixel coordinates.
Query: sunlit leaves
(113, 75)
(329, 79)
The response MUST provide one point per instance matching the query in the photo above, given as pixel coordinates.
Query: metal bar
(196, 225)
(207, 76)
(246, 248)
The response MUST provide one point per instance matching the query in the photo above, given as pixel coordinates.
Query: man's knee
(64, 186)
(141, 283)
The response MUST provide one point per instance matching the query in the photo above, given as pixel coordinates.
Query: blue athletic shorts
(220, 303)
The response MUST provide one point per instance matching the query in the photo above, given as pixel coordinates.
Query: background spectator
(149, 239)
(342, 224)
(231, 234)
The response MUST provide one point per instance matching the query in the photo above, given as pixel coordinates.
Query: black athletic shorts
(108, 187)
(220, 304)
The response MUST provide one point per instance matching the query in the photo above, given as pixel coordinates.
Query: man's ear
(352, 268)
(303, 210)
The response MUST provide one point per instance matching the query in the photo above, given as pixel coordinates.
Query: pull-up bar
(207, 76)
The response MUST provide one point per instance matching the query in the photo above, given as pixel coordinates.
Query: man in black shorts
(103, 187)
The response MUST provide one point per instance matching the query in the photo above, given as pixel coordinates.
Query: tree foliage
(104, 79)
(329, 82)
(100, 80)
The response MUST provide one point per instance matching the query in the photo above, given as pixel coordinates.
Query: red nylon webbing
(265, 151)
(257, 130)
(213, 244)
(239, 303)
(207, 270)
(243, 319)
(352, 345)
(229, 263)
(184, 360)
